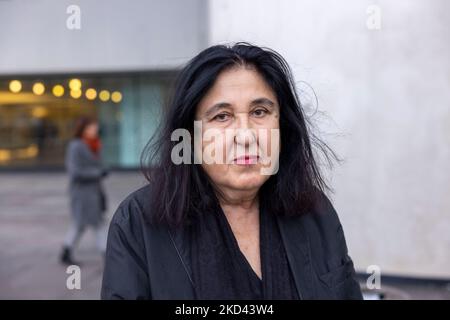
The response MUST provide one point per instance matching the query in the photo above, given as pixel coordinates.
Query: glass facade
(38, 114)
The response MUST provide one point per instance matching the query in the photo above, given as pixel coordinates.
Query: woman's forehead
(237, 86)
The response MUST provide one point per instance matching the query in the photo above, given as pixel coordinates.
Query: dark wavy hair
(179, 192)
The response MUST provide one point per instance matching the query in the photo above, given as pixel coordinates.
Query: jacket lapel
(296, 245)
(169, 278)
(182, 271)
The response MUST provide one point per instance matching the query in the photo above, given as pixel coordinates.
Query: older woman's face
(240, 122)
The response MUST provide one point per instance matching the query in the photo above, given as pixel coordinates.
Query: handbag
(103, 201)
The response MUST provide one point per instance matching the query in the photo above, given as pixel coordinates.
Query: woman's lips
(246, 160)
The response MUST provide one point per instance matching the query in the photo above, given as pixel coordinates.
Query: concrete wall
(385, 94)
(115, 35)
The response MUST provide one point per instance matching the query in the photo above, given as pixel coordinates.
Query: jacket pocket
(338, 275)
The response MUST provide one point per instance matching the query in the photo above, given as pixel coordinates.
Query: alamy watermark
(73, 281)
(373, 21)
(228, 146)
(73, 21)
(374, 279)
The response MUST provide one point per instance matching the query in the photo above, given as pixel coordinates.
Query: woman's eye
(260, 113)
(221, 117)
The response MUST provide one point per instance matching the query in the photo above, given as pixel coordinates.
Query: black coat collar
(295, 242)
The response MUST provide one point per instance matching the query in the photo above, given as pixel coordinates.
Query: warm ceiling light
(38, 88)
(116, 96)
(15, 86)
(75, 94)
(75, 84)
(104, 95)
(91, 94)
(58, 90)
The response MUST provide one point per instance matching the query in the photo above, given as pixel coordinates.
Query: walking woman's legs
(73, 235)
(101, 232)
(71, 240)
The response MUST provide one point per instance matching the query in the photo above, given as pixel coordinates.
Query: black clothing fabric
(154, 262)
(221, 271)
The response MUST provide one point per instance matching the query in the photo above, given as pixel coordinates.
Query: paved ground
(33, 220)
(34, 217)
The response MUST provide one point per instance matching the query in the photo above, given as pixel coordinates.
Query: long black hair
(180, 191)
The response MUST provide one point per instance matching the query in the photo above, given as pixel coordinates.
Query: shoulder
(324, 230)
(75, 142)
(75, 145)
(128, 229)
(323, 215)
(132, 210)
(125, 274)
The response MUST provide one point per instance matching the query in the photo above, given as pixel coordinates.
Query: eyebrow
(262, 101)
(259, 101)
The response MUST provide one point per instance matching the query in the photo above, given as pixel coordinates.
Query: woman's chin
(247, 181)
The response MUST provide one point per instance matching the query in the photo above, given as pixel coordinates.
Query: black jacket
(151, 262)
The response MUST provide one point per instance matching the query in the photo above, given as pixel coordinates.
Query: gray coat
(85, 189)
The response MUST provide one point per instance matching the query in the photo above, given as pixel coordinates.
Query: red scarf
(94, 144)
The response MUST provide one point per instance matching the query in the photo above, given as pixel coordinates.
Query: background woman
(87, 198)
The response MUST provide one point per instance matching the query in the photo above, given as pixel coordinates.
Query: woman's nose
(244, 135)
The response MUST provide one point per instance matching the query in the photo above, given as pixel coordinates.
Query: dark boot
(66, 257)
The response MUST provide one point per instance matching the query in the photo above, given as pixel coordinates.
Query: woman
(244, 215)
(87, 199)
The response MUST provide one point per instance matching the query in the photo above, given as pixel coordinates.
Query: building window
(38, 114)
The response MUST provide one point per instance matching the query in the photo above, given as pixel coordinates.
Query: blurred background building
(118, 66)
(380, 71)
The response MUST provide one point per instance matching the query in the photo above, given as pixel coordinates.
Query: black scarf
(221, 271)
